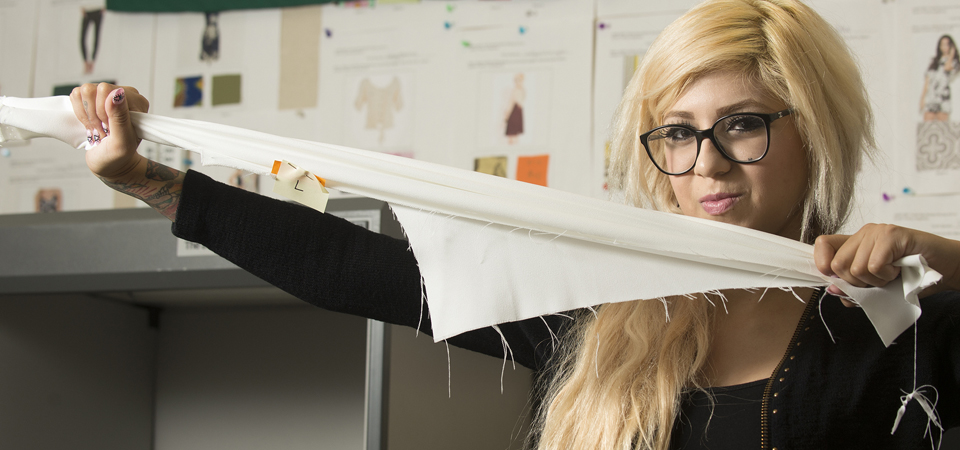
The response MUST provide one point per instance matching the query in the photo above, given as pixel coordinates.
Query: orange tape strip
(276, 167)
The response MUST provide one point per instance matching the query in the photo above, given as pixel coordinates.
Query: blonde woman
(750, 112)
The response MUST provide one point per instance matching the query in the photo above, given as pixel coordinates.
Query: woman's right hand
(104, 110)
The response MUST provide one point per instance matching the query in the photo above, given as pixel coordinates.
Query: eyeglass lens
(741, 137)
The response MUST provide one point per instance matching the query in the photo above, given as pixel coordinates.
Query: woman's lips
(716, 204)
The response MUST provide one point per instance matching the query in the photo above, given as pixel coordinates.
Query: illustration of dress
(381, 102)
(93, 18)
(210, 43)
(515, 121)
(937, 98)
(514, 114)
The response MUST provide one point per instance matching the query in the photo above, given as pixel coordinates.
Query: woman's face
(944, 45)
(766, 195)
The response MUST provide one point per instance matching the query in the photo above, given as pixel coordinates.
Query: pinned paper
(533, 169)
(226, 90)
(300, 185)
(492, 165)
(188, 91)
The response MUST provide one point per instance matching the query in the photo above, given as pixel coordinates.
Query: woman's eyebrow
(741, 106)
(686, 115)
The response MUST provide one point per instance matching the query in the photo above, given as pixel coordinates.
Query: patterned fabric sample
(938, 145)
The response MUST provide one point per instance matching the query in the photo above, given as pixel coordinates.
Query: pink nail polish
(96, 137)
(89, 136)
(118, 97)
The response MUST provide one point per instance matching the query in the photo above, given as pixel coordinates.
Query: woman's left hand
(866, 258)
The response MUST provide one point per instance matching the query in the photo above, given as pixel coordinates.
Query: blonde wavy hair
(620, 380)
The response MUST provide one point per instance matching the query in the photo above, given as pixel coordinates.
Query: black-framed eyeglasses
(743, 138)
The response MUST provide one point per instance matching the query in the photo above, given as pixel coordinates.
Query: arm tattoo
(160, 172)
(161, 189)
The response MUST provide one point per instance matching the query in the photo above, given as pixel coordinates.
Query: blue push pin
(907, 190)
(447, 25)
(5, 152)
(328, 32)
(523, 30)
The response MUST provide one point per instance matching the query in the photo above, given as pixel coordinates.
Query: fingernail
(833, 290)
(106, 130)
(118, 96)
(96, 137)
(89, 136)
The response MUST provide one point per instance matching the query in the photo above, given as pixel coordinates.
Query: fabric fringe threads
(930, 408)
(506, 350)
(450, 377)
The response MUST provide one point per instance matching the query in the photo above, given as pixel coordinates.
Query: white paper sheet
(417, 80)
(383, 80)
(929, 161)
(540, 51)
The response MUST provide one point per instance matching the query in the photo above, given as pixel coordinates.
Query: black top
(732, 422)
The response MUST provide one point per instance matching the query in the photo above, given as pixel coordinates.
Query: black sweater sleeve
(332, 263)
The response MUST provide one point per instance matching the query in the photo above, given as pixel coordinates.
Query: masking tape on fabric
(300, 185)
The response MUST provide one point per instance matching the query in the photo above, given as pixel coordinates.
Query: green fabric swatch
(226, 90)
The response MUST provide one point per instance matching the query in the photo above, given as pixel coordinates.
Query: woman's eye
(744, 124)
(677, 134)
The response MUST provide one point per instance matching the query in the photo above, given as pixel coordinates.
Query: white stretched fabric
(493, 250)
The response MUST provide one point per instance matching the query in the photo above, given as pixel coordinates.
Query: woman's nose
(710, 162)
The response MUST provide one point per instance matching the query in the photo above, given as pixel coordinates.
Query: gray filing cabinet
(115, 335)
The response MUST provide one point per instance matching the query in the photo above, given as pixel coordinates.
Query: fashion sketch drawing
(210, 43)
(938, 139)
(381, 104)
(514, 113)
(90, 24)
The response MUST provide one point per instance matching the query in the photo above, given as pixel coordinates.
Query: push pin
(887, 197)
(5, 152)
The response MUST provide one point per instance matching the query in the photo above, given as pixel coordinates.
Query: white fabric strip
(493, 250)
